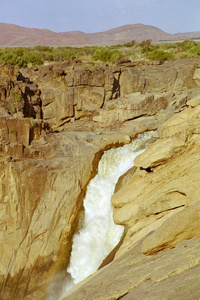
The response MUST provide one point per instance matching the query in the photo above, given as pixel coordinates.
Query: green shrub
(158, 54)
(145, 46)
(43, 48)
(187, 45)
(142, 51)
(107, 55)
(33, 58)
(64, 54)
(130, 44)
(168, 46)
(195, 50)
(188, 55)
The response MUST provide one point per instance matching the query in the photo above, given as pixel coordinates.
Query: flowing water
(99, 234)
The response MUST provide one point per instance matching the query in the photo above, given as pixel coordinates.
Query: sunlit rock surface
(172, 274)
(56, 121)
(42, 189)
(160, 210)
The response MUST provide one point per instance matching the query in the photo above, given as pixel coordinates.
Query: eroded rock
(42, 189)
(160, 211)
(133, 270)
(185, 225)
(65, 116)
(159, 152)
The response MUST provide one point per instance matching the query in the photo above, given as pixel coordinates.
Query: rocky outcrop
(43, 180)
(172, 182)
(42, 187)
(174, 230)
(73, 91)
(111, 96)
(18, 96)
(65, 116)
(134, 276)
(106, 96)
(158, 203)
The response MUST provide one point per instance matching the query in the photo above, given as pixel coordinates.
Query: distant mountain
(123, 34)
(188, 35)
(14, 35)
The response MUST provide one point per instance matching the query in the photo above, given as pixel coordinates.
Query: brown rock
(182, 124)
(159, 152)
(44, 176)
(146, 200)
(194, 101)
(89, 98)
(131, 272)
(182, 226)
(41, 192)
(178, 75)
(130, 107)
(185, 286)
(47, 96)
(18, 96)
(185, 73)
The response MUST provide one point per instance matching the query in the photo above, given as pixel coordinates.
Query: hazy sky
(172, 16)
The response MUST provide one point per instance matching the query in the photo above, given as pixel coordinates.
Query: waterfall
(99, 234)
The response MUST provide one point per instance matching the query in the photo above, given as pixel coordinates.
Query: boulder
(159, 152)
(72, 91)
(147, 199)
(182, 124)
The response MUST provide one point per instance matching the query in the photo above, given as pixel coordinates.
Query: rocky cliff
(56, 121)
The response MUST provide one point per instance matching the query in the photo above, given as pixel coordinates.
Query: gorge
(99, 235)
(56, 123)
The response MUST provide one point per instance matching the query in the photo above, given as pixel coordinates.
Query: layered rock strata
(42, 187)
(158, 203)
(55, 123)
(101, 96)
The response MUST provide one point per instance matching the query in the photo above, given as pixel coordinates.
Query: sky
(172, 16)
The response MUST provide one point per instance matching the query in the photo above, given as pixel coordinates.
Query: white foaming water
(100, 234)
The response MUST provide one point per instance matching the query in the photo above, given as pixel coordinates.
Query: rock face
(135, 276)
(159, 256)
(64, 117)
(108, 97)
(18, 96)
(71, 92)
(42, 187)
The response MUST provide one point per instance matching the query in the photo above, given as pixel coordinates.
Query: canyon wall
(56, 121)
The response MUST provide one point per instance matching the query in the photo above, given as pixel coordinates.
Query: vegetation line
(145, 50)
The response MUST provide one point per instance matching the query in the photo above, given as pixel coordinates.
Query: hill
(14, 35)
(123, 34)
